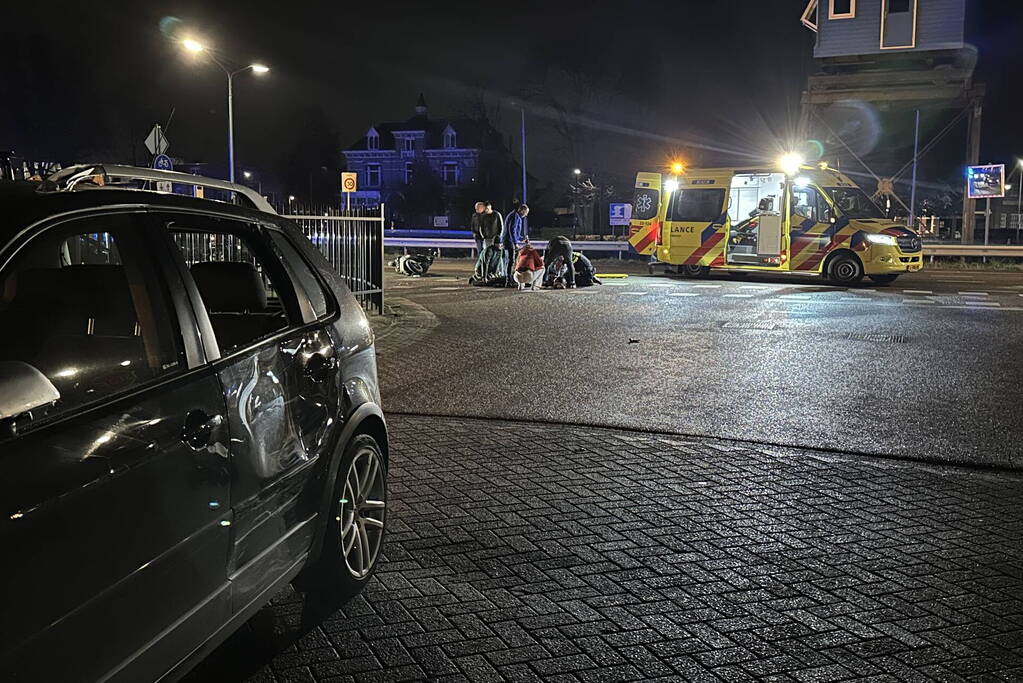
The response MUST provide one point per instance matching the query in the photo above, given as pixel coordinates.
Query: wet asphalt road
(926, 368)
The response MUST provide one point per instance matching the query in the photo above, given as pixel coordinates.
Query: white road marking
(857, 299)
(636, 293)
(708, 286)
(918, 301)
(689, 294)
(917, 291)
(617, 284)
(659, 284)
(445, 289)
(764, 287)
(982, 303)
(738, 296)
(974, 293)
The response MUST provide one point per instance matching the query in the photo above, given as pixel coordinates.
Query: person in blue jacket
(516, 231)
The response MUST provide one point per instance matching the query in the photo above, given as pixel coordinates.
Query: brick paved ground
(525, 552)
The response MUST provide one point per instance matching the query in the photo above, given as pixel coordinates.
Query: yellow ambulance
(811, 219)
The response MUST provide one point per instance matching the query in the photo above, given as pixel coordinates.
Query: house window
(842, 9)
(408, 144)
(449, 140)
(898, 24)
(809, 18)
(373, 175)
(408, 172)
(450, 173)
(373, 141)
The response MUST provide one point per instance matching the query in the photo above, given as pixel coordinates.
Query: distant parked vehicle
(189, 420)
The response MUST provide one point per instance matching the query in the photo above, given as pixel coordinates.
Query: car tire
(883, 279)
(845, 269)
(354, 531)
(694, 271)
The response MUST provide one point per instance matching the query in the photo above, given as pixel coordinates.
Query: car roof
(23, 205)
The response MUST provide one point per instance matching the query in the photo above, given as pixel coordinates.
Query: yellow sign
(349, 182)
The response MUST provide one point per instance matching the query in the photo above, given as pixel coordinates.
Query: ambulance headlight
(670, 186)
(883, 240)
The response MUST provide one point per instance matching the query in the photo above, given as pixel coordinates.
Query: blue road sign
(621, 213)
(163, 162)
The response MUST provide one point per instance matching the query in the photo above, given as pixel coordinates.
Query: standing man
(489, 265)
(515, 232)
(474, 225)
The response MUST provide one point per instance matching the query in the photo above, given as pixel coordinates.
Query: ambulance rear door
(696, 221)
(646, 209)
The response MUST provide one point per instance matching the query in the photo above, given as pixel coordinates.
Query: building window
(373, 141)
(408, 144)
(809, 18)
(449, 140)
(408, 172)
(898, 6)
(842, 9)
(450, 173)
(373, 175)
(898, 24)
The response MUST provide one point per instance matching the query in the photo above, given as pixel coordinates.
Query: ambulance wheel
(694, 271)
(883, 279)
(845, 269)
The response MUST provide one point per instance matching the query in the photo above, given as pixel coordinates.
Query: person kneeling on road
(585, 273)
(560, 269)
(529, 267)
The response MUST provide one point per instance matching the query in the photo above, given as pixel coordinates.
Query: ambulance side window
(808, 202)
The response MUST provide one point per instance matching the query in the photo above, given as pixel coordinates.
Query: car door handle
(319, 368)
(199, 429)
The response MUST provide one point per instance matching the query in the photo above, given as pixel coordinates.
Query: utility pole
(912, 192)
(522, 111)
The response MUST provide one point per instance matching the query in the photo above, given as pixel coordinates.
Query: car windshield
(854, 203)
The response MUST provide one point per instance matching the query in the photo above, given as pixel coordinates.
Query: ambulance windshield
(854, 203)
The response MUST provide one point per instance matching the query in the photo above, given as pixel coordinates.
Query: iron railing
(353, 242)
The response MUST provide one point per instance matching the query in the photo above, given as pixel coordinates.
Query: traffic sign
(163, 162)
(156, 141)
(620, 214)
(985, 182)
(349, 182)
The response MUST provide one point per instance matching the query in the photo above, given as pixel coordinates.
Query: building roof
(470, 133)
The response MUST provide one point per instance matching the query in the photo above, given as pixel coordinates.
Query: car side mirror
(23, 389)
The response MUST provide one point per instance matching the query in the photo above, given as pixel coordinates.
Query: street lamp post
(197, 47)
(1019, 201)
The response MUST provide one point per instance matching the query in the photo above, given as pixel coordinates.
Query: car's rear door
(116, 501)
(279, 371)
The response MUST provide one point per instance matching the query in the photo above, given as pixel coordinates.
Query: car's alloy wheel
(362, 510)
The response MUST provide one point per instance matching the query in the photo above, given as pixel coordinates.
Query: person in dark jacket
(490, 268)
(474, 225)
(559, 254)
(514, 233)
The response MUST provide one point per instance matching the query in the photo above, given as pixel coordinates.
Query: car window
(238, 279)
(302, 273)
(85, 304)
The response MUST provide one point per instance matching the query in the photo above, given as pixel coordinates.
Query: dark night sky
(704, 79)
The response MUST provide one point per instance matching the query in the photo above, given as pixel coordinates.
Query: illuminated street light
(247, 174)
(577, 171)
(677, 168)
(790, 163)
(291, 197)
(196, 47)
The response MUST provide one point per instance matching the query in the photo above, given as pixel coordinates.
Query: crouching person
(585, 273)
(529, 267)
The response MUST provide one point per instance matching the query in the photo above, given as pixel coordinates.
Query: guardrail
(1003, 250)
(452, 243)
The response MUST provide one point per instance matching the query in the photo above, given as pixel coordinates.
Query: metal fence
(353, 242)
